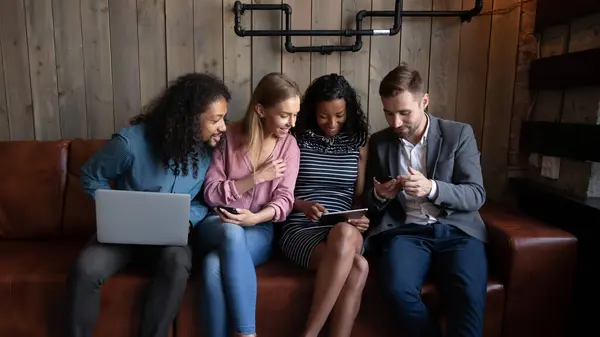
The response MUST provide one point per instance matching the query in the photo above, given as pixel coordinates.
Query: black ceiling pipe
(239, 8)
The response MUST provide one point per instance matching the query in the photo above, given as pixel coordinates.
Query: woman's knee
(211, 268)
(233, 234)
(344, 239)
(360, 266)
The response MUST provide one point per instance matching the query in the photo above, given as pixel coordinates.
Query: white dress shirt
(418, 210)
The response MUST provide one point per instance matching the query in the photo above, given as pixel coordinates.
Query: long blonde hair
(273, 88)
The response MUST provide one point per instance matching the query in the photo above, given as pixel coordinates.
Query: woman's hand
(312, 210)
(243, 218)
(270, 171)
(362, 224)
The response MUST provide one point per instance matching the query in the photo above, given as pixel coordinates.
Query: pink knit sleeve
(218, 189)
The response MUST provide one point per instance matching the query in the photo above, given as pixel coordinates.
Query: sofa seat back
(41, 195)
(32, 188)
(79, 213)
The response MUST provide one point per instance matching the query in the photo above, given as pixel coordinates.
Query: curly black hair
(328, 88)
(172, 123)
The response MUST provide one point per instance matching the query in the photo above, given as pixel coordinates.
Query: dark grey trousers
(97, 262)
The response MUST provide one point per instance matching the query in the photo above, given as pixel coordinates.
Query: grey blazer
(453, 161)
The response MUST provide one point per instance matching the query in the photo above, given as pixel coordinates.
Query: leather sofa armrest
(536, 263)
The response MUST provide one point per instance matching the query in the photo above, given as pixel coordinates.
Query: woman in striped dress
(332, 133)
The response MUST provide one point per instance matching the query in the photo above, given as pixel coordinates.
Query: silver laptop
(142, 218)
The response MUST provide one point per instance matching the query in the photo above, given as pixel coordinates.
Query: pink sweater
(229, 163)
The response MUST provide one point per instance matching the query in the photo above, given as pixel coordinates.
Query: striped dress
(327, 175)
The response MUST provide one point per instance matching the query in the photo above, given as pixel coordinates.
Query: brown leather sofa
(45, 219)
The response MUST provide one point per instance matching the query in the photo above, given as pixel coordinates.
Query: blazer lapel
(434, 146)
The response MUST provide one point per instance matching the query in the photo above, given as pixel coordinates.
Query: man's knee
(403, 289)
(471, 294)
(90, 266)
(176, 261)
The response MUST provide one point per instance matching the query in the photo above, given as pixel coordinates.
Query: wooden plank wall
(82, 68)
(575, 105)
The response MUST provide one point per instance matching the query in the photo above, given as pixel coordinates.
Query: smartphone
(231, 210)
(384, 179)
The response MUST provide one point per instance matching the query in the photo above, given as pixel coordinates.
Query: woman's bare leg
(333, 261)
(348, 303)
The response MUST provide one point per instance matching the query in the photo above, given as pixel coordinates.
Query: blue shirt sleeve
(198, 212)
(111, 160)
(198, 208)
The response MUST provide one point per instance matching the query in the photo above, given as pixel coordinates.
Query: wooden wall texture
(82, 68)
(575, 105)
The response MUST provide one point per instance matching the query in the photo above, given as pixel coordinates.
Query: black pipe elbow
(238, 7)
(239, 31)
(468, 15)
(289, 47)
(361, 15)
(287, 9)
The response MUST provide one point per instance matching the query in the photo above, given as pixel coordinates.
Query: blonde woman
(253, 173)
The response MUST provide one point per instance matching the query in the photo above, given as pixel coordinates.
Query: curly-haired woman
(166, 149)
(253, 171)
(332, 133)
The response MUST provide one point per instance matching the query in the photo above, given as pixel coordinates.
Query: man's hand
(362, 224)
(416, 184)
(389, 189)
(244, 218)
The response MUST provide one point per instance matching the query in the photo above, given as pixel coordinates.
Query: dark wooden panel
(566, 71)
(567, 140)
(553, 12)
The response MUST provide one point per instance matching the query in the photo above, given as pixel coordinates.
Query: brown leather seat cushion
(32, 284)
(286, 289)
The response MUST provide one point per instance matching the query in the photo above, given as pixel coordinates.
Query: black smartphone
(384, 179)
(228, 209)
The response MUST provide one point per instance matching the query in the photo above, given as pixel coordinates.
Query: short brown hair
(400, 79)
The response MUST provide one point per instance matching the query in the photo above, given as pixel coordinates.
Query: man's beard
(207, 144)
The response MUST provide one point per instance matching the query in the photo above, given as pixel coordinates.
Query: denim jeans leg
(229, 277)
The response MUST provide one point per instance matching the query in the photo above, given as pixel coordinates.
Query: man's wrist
(378, 197)
(433, 191)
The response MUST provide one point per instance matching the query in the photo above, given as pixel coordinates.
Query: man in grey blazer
(424, 188)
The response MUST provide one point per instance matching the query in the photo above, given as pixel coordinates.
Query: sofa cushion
(285, 294)
(32, 286)
(32, 179)
(79, 215)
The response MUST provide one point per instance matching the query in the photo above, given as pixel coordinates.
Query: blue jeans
(459, 264)
(228, 282)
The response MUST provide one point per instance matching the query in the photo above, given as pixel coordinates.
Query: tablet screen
(335, 217)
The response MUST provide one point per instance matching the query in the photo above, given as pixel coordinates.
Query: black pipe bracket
(239, 8)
